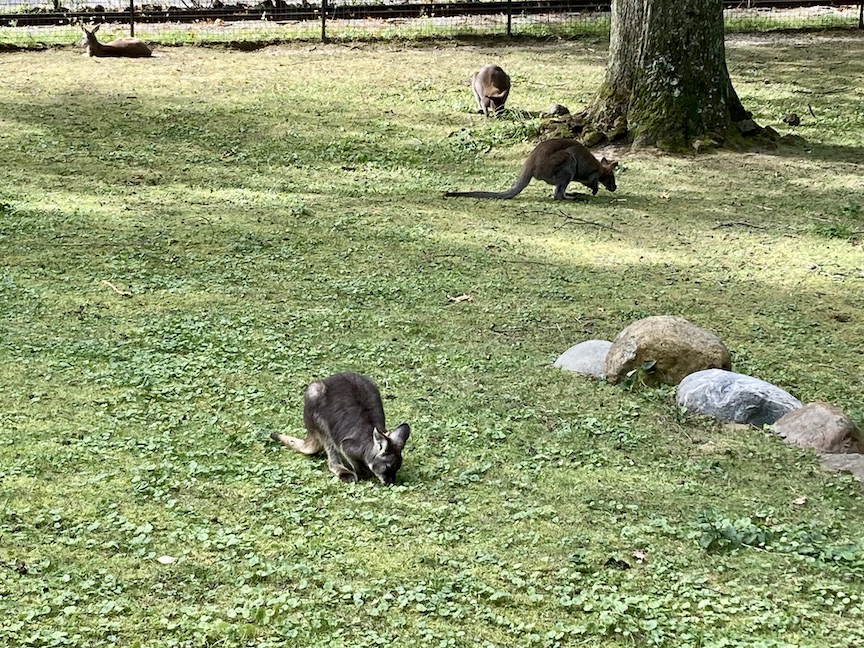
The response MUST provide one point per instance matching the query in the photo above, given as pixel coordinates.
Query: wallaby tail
(521, 182)
(307, 446)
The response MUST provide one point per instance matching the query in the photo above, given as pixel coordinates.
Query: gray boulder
(676, 346)
(734, 397)
(586, 358)
(821, 426)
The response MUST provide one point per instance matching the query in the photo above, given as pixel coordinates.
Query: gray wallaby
(344, 417)
(557, 162)
(491, 85)
(126, 46)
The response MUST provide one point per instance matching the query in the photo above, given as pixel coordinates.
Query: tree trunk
(666, 82)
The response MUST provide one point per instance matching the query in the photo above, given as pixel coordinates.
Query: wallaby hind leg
(561, 183)
(336, 467)
(309, 446)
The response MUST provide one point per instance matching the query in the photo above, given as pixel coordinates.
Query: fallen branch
(122, 293)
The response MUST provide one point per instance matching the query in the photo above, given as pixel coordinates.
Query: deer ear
(399, 436)
(380, 440)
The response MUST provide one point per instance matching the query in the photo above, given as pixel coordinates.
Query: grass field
(187, 241)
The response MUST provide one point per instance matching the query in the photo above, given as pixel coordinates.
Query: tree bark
(666, 80)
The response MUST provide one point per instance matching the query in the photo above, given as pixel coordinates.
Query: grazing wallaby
(345, 418)
(491, 85)
(126, 46)
(557, 162)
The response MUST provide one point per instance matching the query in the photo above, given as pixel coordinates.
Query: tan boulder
(821, 426)
(675, 346)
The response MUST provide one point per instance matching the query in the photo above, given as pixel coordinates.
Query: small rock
(556, 110)
(845, 462)
(748, 127)
(586, 358)
(793, 140)
(792, 119)
(734, 397)
(703, 144)
(592, 138)
(821, 426)
(675, 346)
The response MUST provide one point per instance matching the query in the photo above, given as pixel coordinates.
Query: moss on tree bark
(666, 81)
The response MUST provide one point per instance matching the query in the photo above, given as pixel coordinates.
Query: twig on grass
(94, 244)
(501, 259)
(739, 223)
(461, 298)
(122, 293)
(528, 261)
(576, 219)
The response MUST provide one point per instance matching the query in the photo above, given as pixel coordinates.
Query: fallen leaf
(800, 501)
(166, 560)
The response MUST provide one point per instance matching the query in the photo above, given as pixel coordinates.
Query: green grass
(278, 216)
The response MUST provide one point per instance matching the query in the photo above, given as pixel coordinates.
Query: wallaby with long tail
(344, 417)
(491, 86)
(557, 162)
(127, 46)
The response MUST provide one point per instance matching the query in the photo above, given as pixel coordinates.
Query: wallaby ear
(380, 440)
(400, 435)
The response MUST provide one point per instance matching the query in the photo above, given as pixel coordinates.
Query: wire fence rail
(24, 23)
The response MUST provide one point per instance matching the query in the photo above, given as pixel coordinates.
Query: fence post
(510, 18)
(131, 17)
(861, 15)
(323, 21)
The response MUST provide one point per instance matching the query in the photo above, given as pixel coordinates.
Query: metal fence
(25, 22)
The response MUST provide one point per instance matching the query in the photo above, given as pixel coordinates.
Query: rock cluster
(671, 350)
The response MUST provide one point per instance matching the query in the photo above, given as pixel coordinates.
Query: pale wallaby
(491, 85)
(126, 46)
(557, 162)
(344, 417)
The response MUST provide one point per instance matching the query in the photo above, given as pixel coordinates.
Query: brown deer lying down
(557, 162)
(126, 46)
(345, 418)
